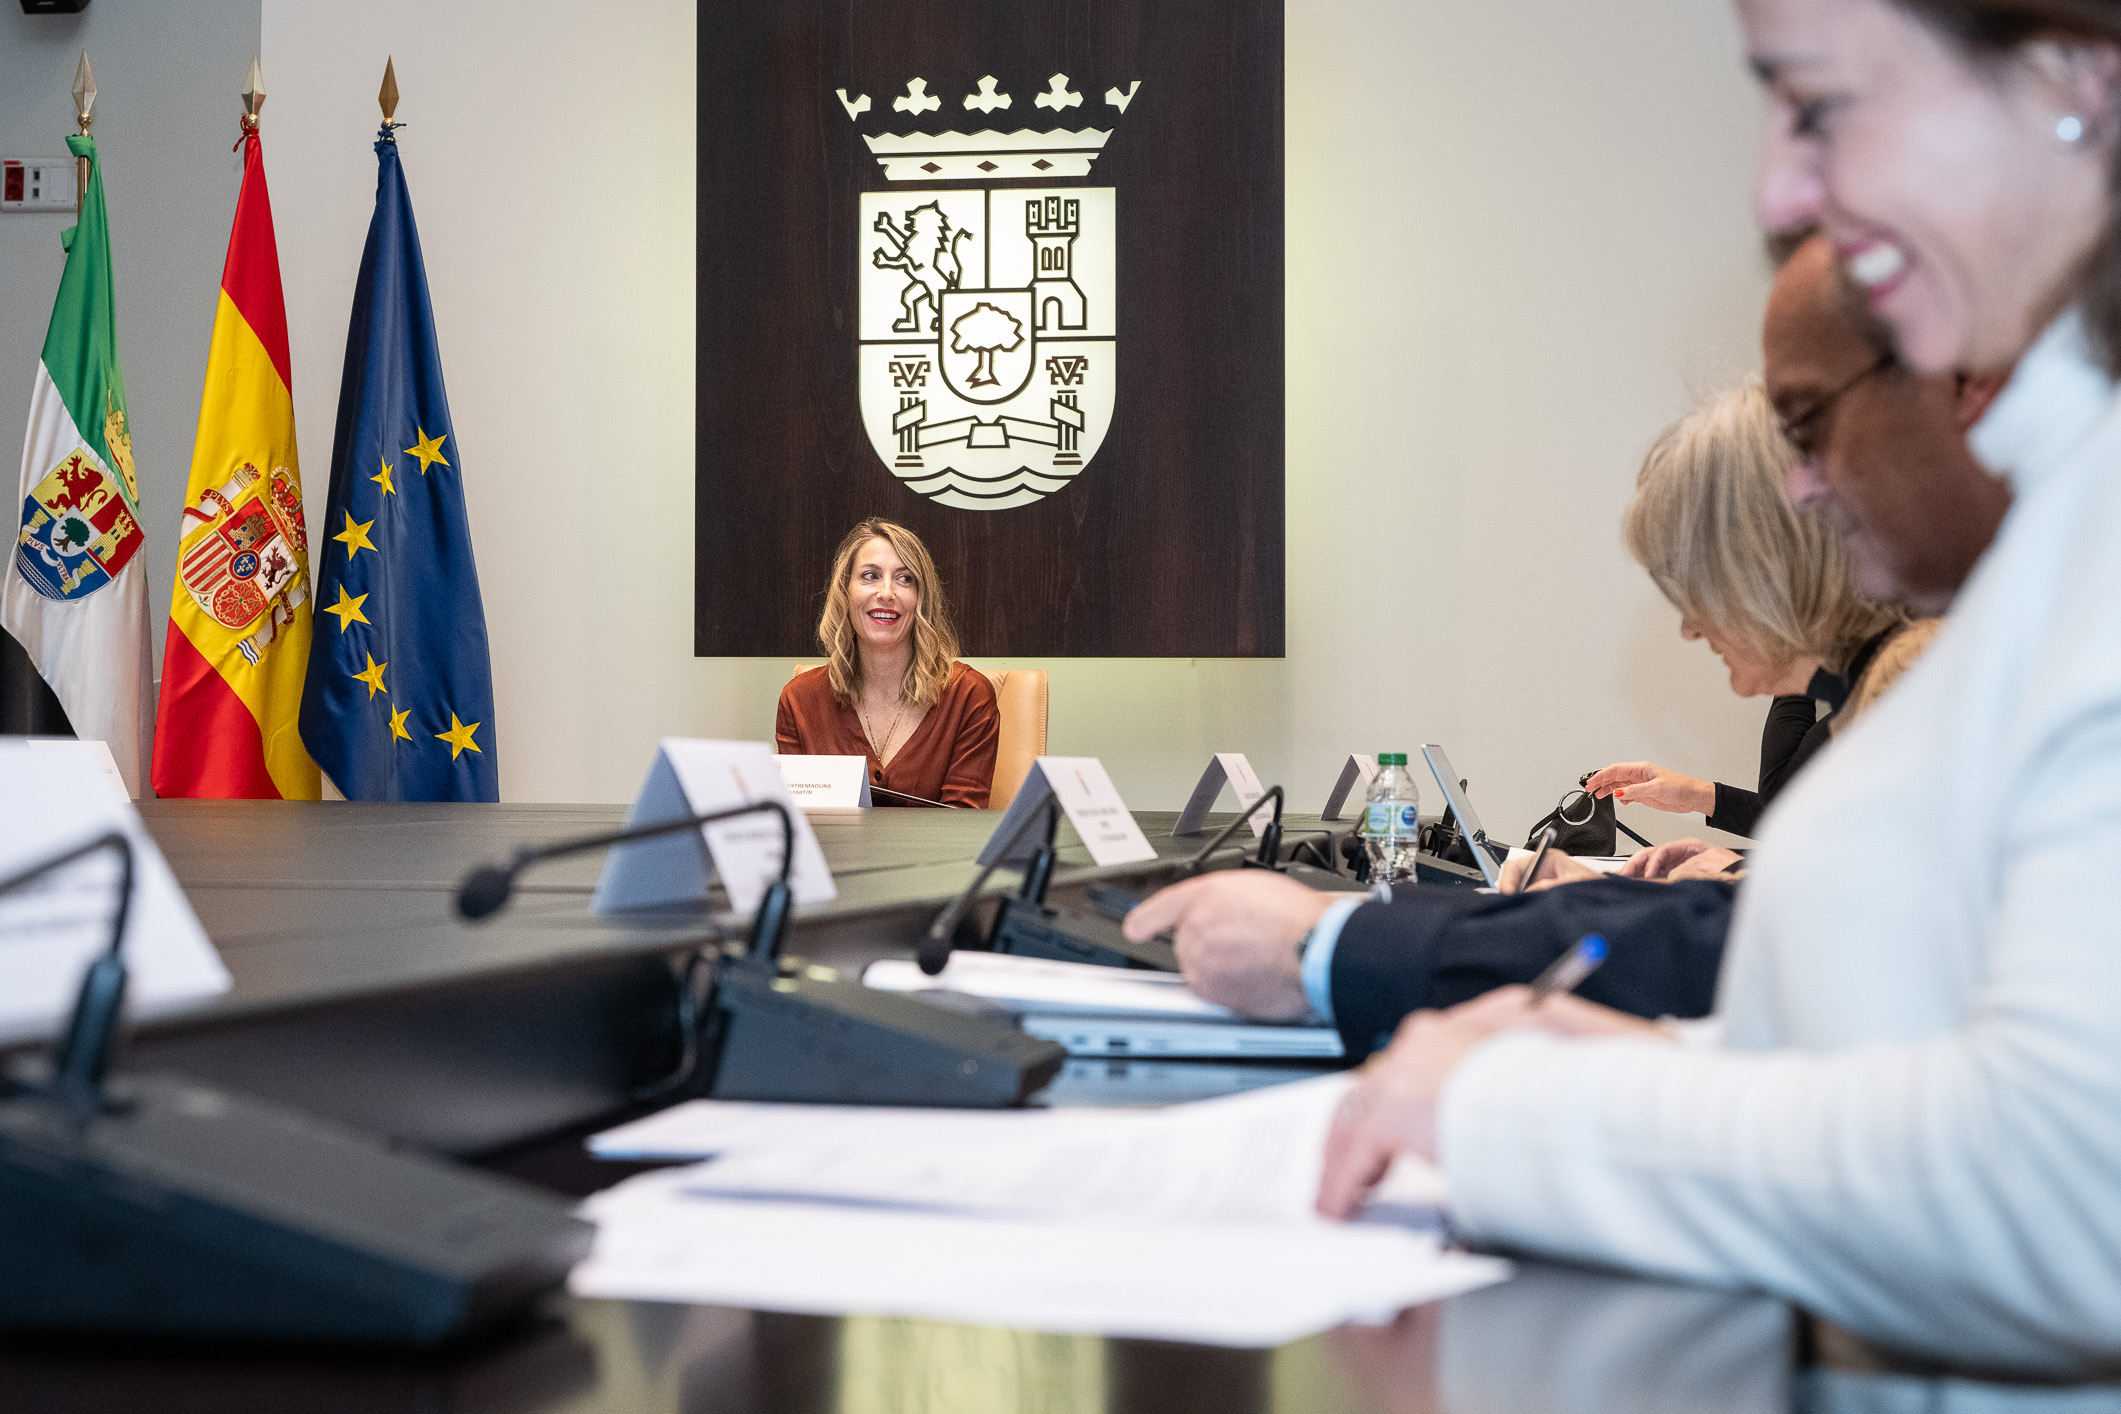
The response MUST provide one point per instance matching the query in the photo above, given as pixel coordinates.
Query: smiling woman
(892, 690)
(1956, 153)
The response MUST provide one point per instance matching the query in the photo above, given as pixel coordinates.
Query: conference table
(359, 995)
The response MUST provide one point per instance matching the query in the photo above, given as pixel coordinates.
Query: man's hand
(1556, 868)
(1391, 1110)
(1680, 859)
(1647, 783)
(1236, 932)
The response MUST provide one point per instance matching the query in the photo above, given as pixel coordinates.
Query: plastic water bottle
(1391, 818)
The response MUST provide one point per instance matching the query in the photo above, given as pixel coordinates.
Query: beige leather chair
(1020, 698)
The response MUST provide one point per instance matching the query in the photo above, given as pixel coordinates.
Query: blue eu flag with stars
(398, 704)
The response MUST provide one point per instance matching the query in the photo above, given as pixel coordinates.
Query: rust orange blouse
(949, 757)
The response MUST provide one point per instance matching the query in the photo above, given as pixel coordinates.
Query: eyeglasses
(1794, 428)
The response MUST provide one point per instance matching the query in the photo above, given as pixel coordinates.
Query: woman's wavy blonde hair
(934, 640)
(1711, 524)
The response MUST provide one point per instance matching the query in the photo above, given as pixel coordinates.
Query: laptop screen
(1462, 808)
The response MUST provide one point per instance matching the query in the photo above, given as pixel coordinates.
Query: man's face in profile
(1882, 451)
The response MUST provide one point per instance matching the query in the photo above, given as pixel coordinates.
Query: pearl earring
(2070, 128)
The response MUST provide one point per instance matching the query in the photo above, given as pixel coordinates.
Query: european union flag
(398, 704)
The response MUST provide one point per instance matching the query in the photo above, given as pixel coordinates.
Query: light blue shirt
(1318, 954)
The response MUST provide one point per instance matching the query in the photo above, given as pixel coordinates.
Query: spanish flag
(239, 617)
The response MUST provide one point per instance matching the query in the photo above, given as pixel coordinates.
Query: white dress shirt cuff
(1318, 955)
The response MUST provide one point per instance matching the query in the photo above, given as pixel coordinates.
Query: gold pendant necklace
(890, 731)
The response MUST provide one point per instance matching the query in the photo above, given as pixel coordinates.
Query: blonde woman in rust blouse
(892, 689)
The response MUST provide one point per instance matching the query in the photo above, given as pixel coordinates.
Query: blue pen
(1566, 973)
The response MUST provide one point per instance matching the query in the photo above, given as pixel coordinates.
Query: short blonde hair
(934, 640)
(1712, 525)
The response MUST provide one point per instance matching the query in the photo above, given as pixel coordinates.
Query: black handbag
(1583, 824)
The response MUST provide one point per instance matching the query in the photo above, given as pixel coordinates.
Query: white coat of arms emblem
(986, 328)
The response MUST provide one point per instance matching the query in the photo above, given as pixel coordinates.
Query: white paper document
(1033, 984)
(52, 929)
(1193, 1222)
(1254, 1157)
(704, 1129)
(1225, 768)
(693, 778)
(1250, 1286)
(1597, 863)
(1091, 803)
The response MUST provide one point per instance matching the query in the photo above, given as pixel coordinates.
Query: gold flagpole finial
(387, 95)
(84, 113)
(253, 94)
(84, 91)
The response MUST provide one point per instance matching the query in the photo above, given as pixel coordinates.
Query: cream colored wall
(1518, 243)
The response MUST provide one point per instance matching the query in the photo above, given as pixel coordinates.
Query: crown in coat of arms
(989, 154)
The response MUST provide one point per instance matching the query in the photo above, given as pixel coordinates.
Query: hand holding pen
(1391, 1108)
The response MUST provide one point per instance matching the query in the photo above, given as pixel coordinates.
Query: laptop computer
(1484, 852)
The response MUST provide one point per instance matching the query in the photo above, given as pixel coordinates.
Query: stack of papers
(1189, 1223)
(1109, 1011)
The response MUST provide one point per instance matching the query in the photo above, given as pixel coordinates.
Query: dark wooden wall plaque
(1068, 331)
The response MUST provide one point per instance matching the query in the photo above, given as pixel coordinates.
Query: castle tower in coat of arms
(1052, 226)
(986, 328)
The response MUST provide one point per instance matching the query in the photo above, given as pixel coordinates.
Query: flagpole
(84, 102)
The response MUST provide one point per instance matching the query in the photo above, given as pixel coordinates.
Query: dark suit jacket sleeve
(1436, 947)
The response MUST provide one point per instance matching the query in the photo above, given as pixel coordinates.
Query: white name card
(1091, 803)
(1356, 773)
(52, 929)
(692, 778)
(1231, 768)
(827, 782)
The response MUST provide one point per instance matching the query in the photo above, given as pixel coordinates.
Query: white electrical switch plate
(36, 183)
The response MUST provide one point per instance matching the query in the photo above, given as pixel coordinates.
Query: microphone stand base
(1028, 929)
(806, 1035)
(192, 1212)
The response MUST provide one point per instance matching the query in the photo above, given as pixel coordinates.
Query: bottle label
(1383, 818)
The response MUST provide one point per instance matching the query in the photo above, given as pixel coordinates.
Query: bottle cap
(1391, 758)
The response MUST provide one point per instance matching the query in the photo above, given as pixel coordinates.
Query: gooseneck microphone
(82, 1057)
(1269, 855)
(768, 1027)
(1028, 926)
(933, 951)
(487, 889)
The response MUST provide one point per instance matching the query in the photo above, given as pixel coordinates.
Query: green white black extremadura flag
(74, 593)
